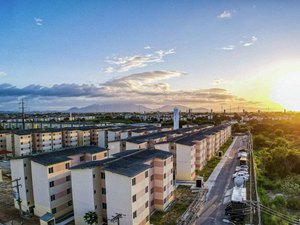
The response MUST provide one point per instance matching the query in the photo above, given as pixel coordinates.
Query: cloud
(249, 42)
(123, 64)
(38, 21)
(147, 47)
(2, 74)
(226, 14)
(147, 88)
(228, 47)
(221, 81)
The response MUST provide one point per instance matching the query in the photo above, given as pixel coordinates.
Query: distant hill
(130, 108)
(110, 108)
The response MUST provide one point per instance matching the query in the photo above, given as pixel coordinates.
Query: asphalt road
(212, 213)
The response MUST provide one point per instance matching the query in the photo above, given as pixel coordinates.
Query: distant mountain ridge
(130, 108)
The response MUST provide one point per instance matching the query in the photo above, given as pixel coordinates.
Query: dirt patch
(8, 212)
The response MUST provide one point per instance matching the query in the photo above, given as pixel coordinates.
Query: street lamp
(228, 221)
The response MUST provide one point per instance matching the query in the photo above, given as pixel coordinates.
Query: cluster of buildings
(24, 142)
(129, 171)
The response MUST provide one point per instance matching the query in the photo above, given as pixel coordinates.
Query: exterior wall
(114, 147)
(131, 145)
(84, 138)
(22, 144)
(124, 135)
(103, 138)
(185, 162)
(200, 154)
(70, 138)
(94, 133)
(21, 168)
(41, 190)
(3, 141)
(9, 143)
(163, 183)
(56, 140)
(119, 197)
(84, 198)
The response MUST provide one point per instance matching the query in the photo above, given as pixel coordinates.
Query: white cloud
(226, 14)
(147, 47)
(123, 64)
(2, 74)
(38, 21)
(249, 42)
(221, 81)
(228, 47)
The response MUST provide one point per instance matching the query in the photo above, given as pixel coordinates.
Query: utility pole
(23, 113)
(17, 186)
(117, 218)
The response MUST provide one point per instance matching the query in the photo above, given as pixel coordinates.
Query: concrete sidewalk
(213, 177)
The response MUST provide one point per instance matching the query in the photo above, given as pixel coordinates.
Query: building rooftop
(128, 163)
(54, 157)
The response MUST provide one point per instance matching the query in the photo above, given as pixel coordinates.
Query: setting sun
(286, 91)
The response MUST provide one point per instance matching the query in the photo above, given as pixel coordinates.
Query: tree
(90, 218)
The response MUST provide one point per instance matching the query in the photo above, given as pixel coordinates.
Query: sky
(212, 54)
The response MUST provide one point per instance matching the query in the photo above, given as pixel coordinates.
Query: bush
(280, 202)
(293, 203)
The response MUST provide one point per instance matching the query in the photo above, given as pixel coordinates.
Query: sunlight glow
(286, 91)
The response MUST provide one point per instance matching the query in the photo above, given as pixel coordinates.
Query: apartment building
(84, 136)
(193, 150)
(46, 140)
(3, 135)
(69, 137)
(19, 142)
(133, 183)
(46, 179)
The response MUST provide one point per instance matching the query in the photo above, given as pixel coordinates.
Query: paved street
(219, 182)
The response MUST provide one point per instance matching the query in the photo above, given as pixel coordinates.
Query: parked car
(244, 175)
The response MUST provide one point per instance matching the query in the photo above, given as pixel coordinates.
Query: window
(171, 182)
(94, 175)
(28, 203)
(165, 188)
(103, 191)
(133, 181)
(53, 210)
(152, 164)
(94, 157)
(134, 214)
(152, 177)
(68, 178)
(51, 184)
(52, 197)
(134, 198)
(50, 170)
(146, 189)
(171, 170)
(67, 166)
(146, 174)
(165, 163)
(152, 190)
(152, 202)
(81, 158)
(94, 191)
(102, 175)
(70, 203)
(104, 205)
(146, 204)
(96, 206)
(165, 175)
(26, 178)
(24, 164)
(68, 190)
(105, 154)
(26, 190)
(165, 200)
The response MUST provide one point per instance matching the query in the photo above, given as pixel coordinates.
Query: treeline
(277, 157)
